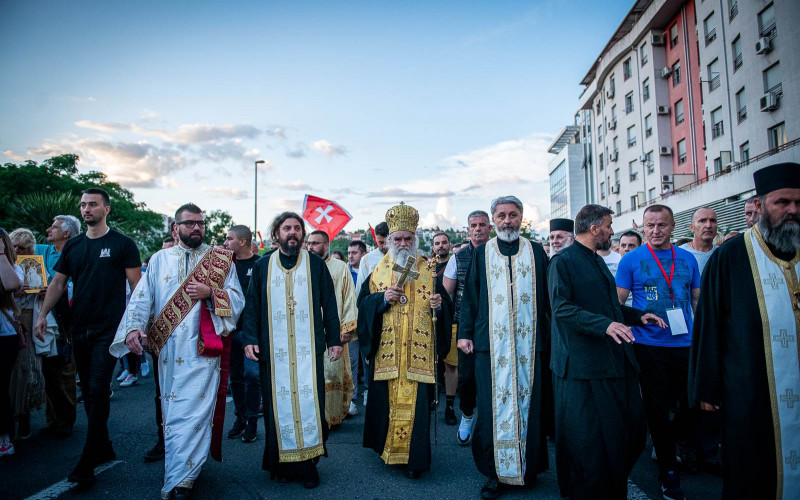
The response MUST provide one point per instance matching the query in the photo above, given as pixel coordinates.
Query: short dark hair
(278, 221)
(324, 235)
(658, 208)
(752, 199)
(478, 213)
(101, 192)
(186, 207)
(382, 229)
(590, 215)
(340, 254)
(360, 244)
(682, 241)
(168, 239)
(632, 233)
(243, 233)
(441, 233)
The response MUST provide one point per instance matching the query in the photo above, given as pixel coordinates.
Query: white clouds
(13, 156)
(225, 192)
(299, 151)
(441, 217)
(295, 205)
(294, 186)
(400, 194)
(103, 127)
(328, 149)
(276, 132)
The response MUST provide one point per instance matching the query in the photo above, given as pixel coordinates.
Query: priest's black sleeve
(251, 316)
(567, 312)
(631, 316)
(330, 311)
(371, 307)
(444, 322)
(470, 302)
(705, 381)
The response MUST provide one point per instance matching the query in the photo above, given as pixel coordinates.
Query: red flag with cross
(325, 215)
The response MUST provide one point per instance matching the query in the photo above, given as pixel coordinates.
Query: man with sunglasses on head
(99, 262)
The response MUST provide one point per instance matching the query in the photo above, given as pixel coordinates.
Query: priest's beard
(508, 235)
(603, 245)
(784, 235)
(400, 255)
(289, 250)
(191, 240)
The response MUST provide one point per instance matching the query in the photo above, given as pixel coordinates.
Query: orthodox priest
(338, 378)
(744, 357)
(505, 321)
(404, 326)
(290, 317)
(193, 292)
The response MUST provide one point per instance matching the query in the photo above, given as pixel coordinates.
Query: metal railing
(682, 159)
(629, 108)
(711, 36)
(626, 74)
(646, 95)
(631, 142)
(648, 132)
(676, 78)
(741, 114)
(644, 59)
(718, 130)
(734, 10)
(770, 31)
(713, 84)
(737, 62)
(777, 90)
(724, 171)
(679, 119)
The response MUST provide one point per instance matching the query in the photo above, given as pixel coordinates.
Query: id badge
(677, 322)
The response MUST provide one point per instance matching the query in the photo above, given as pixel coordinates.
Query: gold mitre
(402, 217)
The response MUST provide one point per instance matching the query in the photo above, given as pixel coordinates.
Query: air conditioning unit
(643, 158)
(665, 150)
(612, 156)
(610, 93)
(656, 40)
(763, 45)
(666, 179)
(615, 189)
(769, 102)
(662, 110)
(666, 71)
(612, 124)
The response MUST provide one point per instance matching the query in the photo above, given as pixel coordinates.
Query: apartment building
(688, 98)
(569, 184)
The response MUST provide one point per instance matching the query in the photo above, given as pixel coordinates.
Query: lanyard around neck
(671, 270)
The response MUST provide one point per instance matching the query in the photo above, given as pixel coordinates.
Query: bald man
(704, 229)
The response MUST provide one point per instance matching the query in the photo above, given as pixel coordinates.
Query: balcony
(718, 130)
(631, 142)
(770, 32)
(734, 10)
(629, 108)
(711, 36)
(713, 84)
(737, 62)
(742, 114)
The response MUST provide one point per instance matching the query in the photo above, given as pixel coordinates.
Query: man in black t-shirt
(99, 262)
(245, 383)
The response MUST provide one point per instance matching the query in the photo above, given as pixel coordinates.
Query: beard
(508, 235)
(442, 252)
(784, 235)
(400, 255)
(603, 245)
(289, 250)
(191, 240)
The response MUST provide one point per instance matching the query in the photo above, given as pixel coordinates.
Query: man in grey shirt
(704, 229)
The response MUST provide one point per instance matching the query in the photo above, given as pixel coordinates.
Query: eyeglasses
(192, 223)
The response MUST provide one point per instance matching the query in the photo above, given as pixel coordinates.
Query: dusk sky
(444, 105)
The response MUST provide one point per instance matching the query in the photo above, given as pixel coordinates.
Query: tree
(217, 224)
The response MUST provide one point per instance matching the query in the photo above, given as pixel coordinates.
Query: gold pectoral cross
(290, 305)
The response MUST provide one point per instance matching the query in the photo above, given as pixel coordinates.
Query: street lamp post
(255, 198)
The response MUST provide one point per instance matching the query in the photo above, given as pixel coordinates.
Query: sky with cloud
(444, 105)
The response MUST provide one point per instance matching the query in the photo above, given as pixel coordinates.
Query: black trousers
(9, 349)
(60, 388)
(95, 368)
(467, 390)
(663, 378)
(159, 418)
(245, 382)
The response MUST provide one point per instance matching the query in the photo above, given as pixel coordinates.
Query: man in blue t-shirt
(665, 280)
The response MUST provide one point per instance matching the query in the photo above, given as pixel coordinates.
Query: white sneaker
(123, 375)
(465, 429)
(6, 447)
(365, 398)
(129, 381)
(145, 369)
(353, 409)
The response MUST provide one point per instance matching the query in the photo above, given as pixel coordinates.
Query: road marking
(64, 486)
(635, 493)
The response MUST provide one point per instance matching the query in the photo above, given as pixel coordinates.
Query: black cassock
(728, 368)
(371, 308)
(255, 331)
(474, 325)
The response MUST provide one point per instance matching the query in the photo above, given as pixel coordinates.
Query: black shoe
(312, 480)
(688, 459)
(237, 430)
(279, 478)
(62, 432)
(261, 409)
(180, 493)
(671, 487)
(83, 473)
(106, 454)
(413, 474)
(24, 427)
(491, 489)
(250, 431)
(450, 415)
(156, 454)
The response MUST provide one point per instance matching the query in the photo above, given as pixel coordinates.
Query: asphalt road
(40, 465)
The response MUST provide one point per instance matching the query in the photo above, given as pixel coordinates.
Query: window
(646, 89)
(741, 107)
(627, 72)
(676, 73)
(648, 161)
(681, 151)
(717, 129)
(766, 22)
(558, 191)
(679, 112)
(629, 103)
(734, 9)
(736, 53)
(777, 136)
(614, 112)
(709, 30)
(616, 176)
(633, 169)
(631, 136)
(614, 145)
(602, 190)
(634, 199)
(648, 125)
(673, 36)
(744, 152)
(772, 80)
(717, 165)
(619, 207)
(600, 161)
(600, 133)
(713, 75)
(643, 53)
(597, 107)
(612, 84)
(651, 194)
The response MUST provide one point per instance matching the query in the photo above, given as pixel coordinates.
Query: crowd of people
(591, 341)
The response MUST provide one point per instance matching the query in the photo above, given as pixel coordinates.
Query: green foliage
(37, 210)
(339, 244)
(217, 224)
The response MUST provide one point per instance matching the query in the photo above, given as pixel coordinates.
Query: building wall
(567, 182)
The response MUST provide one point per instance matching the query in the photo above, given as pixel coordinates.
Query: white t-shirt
(451, 270)
(6, 328)
(612, 261)
(700, 257)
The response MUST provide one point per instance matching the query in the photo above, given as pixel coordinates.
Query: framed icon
(33, 271)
